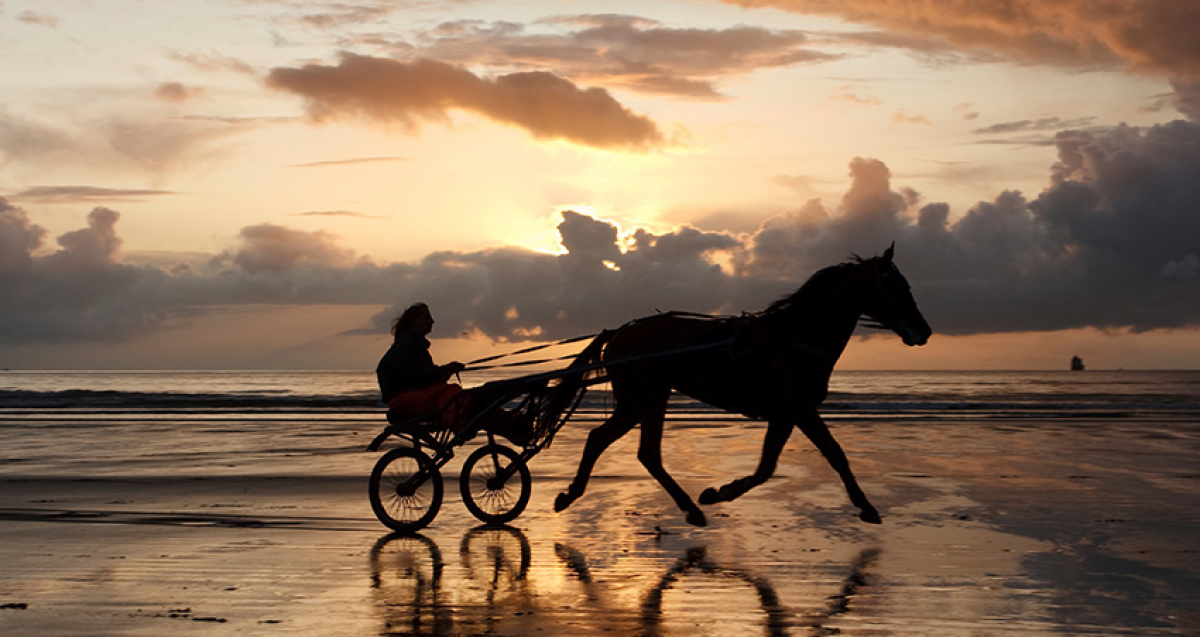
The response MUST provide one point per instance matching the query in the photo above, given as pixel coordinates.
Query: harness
(749, 336)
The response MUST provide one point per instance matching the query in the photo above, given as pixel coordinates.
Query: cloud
(75, 194)
(24, 139)
(348, 162)
(901, 117)
(1041, 124)
(409, 93)
(271, 248)
(1152, 35)
(346, 14)
(846, 93)
(19, 237)
(1143, 36)
(148, 143)
(1112, 242)
(1187, 97)
(966, 111)
(39, 19)
(1109, 244)
(81, 291)
(338, 213)
(177, 92)
(212, 62)
(622, 51)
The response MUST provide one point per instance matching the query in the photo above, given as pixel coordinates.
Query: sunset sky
(262, 184)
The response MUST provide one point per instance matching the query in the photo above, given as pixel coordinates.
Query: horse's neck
(823, 328)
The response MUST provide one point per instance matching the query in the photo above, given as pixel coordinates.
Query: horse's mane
(817, 284)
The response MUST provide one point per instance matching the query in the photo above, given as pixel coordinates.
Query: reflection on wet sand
(414, 597)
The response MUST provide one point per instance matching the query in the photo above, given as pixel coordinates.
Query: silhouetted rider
(413, 385)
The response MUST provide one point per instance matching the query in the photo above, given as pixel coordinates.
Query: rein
(474, 365)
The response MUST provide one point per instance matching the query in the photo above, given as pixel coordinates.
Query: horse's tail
(562, 396)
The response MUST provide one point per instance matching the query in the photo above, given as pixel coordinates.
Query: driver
(413, 385)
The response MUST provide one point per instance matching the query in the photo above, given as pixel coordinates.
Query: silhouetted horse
(775, 366)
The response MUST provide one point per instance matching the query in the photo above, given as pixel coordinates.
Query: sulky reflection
(406, 578)
(491, 590)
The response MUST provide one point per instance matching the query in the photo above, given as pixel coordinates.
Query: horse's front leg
(814, 427)
(650, 454)
(778, 431)
(598, 440)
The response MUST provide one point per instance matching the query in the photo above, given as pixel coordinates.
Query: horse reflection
(696, 559)
(777, 618)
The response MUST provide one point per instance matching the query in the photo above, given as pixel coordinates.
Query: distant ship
(1076, 364)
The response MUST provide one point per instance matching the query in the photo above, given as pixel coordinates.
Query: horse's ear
(890, 252)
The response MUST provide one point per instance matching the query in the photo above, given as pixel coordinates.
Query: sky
(263, 184)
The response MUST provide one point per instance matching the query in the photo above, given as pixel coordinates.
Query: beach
(258, 523)
(1034, 527)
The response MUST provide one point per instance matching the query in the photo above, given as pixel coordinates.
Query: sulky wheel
(405, 490)
(486, 497)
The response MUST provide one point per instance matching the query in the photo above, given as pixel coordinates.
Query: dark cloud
(81, 291)
(1040, 124)
(1112, 242)
(75, 194)
(409, 93)
(19, 237)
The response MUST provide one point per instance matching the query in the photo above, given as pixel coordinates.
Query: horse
(774, 365)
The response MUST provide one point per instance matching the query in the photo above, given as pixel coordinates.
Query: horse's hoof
(562, 502)
(709, 496)
(696, 518)
(870, 516)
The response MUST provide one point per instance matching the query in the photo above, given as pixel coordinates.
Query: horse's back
(716, 361)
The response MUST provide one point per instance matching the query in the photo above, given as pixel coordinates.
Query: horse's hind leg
(598, 440)
(818, 433)
(778, 432)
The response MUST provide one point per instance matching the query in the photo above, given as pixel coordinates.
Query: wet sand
(1063, 526)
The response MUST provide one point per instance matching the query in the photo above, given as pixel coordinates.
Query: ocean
(351, 395)
(202, 423)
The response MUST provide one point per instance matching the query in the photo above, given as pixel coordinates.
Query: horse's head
(889, 301)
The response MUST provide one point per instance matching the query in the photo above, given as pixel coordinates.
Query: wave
(599, 401)
(87, 398)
